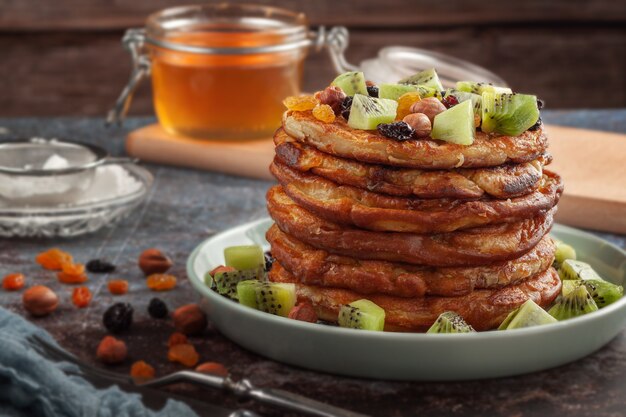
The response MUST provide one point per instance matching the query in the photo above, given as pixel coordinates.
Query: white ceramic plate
(412, 356)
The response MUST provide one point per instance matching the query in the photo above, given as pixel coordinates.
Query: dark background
(64, 57)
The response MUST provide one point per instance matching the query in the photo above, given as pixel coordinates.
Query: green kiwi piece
(450, 322)
(363, 315)
(351, 83)
(427, 78)
(528, 314)
(602, 292)
(563, 252)
(479, 88)
(244, 257)
(576, 303)
(455, 125)
(508, 114)
(246, 292)
(425, 92)
(462, 96)
(394, 91)
(368, 112)
(275, 298)
(573, 269)
(226, 282)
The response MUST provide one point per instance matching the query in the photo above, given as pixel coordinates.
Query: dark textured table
(185, 207)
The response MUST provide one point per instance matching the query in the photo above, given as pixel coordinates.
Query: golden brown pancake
(471, 247)
(505, 181)
(312, 266)
(339, 139)
(483, 309)
(380, 212)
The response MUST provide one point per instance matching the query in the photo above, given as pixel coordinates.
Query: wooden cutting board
(592, 164)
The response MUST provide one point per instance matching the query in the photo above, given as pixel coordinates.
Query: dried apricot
(405, 101)
(177, 339)
(161, 282)
(118, 286)
(324, 113)
(111, 350)
(212, 368)
(13, 282)
(184, 353)
(300, 103)
(81, 297)
(141, 370)
(53, 259)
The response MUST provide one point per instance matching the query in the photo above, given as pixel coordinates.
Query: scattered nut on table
(153, 261)
(40, 300)
(189, 319)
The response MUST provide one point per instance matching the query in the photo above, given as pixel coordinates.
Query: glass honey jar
(221, 71)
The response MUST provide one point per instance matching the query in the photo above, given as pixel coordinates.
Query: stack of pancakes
(419, 227)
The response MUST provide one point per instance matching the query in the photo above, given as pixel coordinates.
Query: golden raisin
(212, 368)
(184, 353)
(118, 286)
(324, 113)
(13, 282)
(405, 101)
(300, 103)
(177, 338)
(141, 370)
(161, 282)
(81, 297)
(53, 259)
(72, 274)
(111, 350)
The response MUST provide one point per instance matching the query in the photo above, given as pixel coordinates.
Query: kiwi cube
(573, 269)
(450, 322)
(479, 88)
(244, 257)
(563, 252)
(246, 292)
(351, 83)
(394, 91)
(427, 78)
(462, 96)
(508, 114)
(528, 314)
(367, 112)
(362, 315)
(455, 125)
(275, 298)
(226, 282)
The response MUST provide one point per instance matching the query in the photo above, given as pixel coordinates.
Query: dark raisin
(118, 317)
(269, 260)
(98, 266)
(536, 125)
(450, 101)
(396, 130)
(157, 309)
(372, 90)
(346, 105)
(540, 104)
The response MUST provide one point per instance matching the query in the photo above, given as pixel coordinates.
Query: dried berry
(161, 282)
(118, 317)
(54, 259)
(324, 113)
(111, 350)
(189, 319)
(72, 274)
(81, 297)
(118, 286)
(396, 130)
(184, 353)
(13, 282)
(345, 107)
(153, 261)
(269, 260)
(405, 101)
(177, 338)
(450, 101)
(212, 368)
(303, 312)
(300, 103)
(141, 370)
(372, 90)
(98, 266)
(536, 125)
(40, 300)
(157, 309)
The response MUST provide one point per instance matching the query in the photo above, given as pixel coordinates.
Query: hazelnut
(430, 106)
(111, 350)
(189, 319)
(212, 368)
(153, 261)
(303, 312)
(333, 96)
(420, 123)
(40, 300)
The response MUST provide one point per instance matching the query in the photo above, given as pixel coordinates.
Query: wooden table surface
(188, 206)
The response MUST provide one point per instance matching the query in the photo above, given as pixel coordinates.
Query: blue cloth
(31, 385)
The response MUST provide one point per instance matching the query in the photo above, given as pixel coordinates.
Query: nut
(212, 368)
(303, 312)
(40, 300)
(333, 96)
(111, 350)
(420, 123)
(430, 106)
(153, 261)
(189, 319)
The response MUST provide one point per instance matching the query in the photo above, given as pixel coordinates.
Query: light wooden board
(592, 164)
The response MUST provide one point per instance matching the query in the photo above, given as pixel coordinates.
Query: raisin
(112, 350)
(540, 104)
(72, 274)
(118, 317)
(269, 260)
(98, 266)
(53, 259)
(177, 338)
(157, 309)
(346, 105)
(396, 130)
(405, 101)
(184, 353)
(81, 297)
(141, 370)
(536, 125)
(118, 286)
(161, 282)
(300, 103)
(372, 90)
(324, 113)
(13, 282)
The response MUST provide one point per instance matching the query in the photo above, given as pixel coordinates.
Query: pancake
(339, 139)
(472, 247)
(312, 266)
(379, 212)
(483, 309)
(506, 181)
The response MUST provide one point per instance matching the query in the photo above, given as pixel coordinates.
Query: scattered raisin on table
(177, 338)
(72, 274)
(13, 282)
(184, 353)
(269, 260)
(157, 309)
(99, 266)
(372, 90)
(397, 130)
(118, 317)
(53, 259)
(142, 370)
(161, 282)
(111, 350)
(81, 297)
(118, 286)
